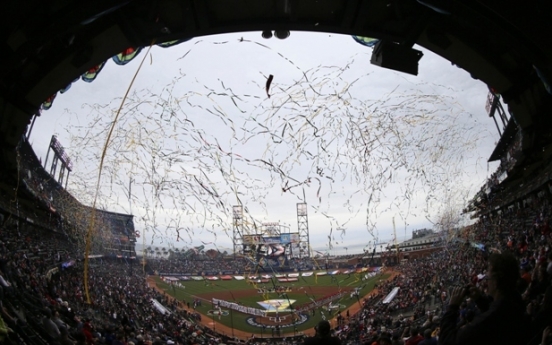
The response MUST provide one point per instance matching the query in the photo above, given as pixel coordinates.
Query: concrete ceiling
(46, 44)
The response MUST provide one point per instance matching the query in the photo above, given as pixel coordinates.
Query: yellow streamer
(104, 151)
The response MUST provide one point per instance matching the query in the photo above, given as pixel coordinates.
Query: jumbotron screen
(270, 246)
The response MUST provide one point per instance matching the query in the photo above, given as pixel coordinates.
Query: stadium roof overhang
(47, 44)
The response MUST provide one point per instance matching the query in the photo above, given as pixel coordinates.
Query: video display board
(275, 247)
(286, 238)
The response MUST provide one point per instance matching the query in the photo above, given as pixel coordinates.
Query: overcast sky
(197, 132)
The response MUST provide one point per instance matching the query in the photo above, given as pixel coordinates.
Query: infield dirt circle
(318, 291)
(286, 319)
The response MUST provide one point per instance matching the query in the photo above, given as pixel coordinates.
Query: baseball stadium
(275, 172)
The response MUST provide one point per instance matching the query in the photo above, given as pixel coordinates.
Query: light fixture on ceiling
(281, 34)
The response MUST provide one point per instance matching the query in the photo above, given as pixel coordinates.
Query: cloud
(361, 145)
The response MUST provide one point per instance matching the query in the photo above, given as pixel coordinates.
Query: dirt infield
(316, 291)
(285, 318)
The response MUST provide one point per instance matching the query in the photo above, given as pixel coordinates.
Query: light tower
(237, 225)
(494, 106)
(303, 229)
(59, 157)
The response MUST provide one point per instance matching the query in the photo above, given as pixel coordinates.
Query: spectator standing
(64, 338)
(501, 322)
(415, 337)
(50, 326)
(428, 339)
(323, 335)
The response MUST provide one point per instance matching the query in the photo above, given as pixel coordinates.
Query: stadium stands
(48, 44)
(41, 273)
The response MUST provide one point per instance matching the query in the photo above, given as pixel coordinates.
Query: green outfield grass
(226, 289)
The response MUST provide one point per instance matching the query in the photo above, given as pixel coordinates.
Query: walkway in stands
(225, 330)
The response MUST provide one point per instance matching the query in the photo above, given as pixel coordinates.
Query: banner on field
(241, 308)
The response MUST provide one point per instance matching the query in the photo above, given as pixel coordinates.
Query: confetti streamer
(268, 82)
(195, 151)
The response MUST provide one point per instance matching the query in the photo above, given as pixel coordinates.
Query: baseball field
(299, 311)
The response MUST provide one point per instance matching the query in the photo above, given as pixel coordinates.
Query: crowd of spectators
(440, 297)
(446, 296)
(178, 265)
(43, 299)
